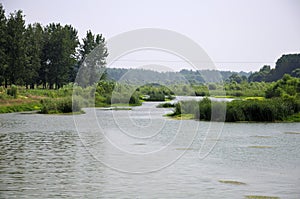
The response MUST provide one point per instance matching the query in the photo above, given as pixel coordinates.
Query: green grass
(22, 107)
(254, 98)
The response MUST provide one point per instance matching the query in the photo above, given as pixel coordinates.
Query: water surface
(44, 156)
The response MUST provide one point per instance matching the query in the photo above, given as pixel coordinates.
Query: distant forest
(50, 57)
(141, 76)
(287, 64)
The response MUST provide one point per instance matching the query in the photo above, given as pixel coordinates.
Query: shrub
(61, 105)
(13, 91)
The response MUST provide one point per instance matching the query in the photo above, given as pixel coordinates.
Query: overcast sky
(236, 34)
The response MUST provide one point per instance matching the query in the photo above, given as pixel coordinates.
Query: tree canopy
(49, 56)
(286, 64)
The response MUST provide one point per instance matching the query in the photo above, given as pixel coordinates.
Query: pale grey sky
(236, 34)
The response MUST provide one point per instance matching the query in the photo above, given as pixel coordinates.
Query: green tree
(285, 65)
(296, 73)
(3, 45)
(34, 44)
(260, 76)
(235, 78)
(59, 55)
(93, 53)
(16, 48)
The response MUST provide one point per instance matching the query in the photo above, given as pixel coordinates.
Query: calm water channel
(139, 153)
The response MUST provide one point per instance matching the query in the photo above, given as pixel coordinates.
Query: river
(139, 153)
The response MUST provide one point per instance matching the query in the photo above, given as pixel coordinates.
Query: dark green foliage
(3, 46)
(134, 100)
(260, 76)
(287, 86)
(235, 78)
(156, 96)
(60, 43)
(34, 44)
(286, 64)
(49, 56)
(16, 49)
(296, 73)
(12, 91)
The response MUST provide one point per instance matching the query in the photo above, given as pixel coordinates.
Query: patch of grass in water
(260, 147)
(261, 136)
(292, 133)
(139, 143)
(232, 182)
(182, 116)
(261, 197)
(184, 149)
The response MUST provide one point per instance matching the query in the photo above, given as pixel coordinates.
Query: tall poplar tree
(3, 46)
(34, 44)
(16, 55)
(93, 53)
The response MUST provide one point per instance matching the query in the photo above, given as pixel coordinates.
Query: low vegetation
(275, 109)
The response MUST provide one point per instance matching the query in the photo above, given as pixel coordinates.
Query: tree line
(49, 56)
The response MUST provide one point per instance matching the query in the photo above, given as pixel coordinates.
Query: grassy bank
(46, 101)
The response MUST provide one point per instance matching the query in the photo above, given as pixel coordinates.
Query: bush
(156, 96)
(61, 105)
(13, 91)
(134, 100)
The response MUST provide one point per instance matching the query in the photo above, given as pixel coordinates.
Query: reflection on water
(41, 156)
